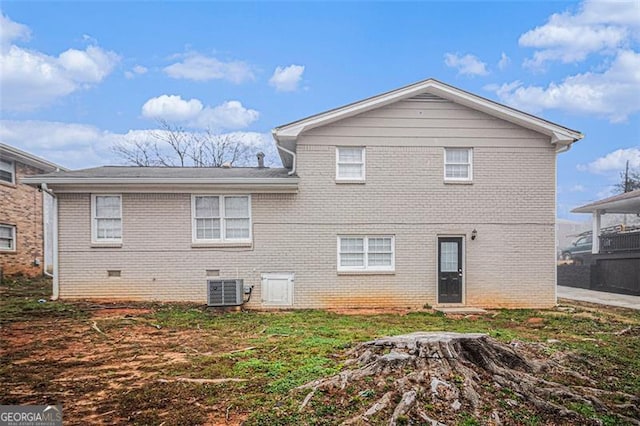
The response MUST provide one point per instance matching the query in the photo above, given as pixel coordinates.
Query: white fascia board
(156, 181)
(558, 133)
(20, 156)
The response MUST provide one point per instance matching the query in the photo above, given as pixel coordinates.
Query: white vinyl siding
(350, 163)
(221, 218)
(107, 218)
(7, 171)
(7, 238)
(458, 164)
(371, 253)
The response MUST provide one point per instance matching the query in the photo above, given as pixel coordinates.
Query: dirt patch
(120, 312)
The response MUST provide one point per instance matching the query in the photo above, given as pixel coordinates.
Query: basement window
(371, 253)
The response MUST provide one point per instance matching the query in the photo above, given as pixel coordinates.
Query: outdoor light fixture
(474, 234)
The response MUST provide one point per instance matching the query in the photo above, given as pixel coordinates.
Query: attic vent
(225, 292)
(426, 97)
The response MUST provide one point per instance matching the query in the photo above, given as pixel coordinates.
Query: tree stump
(431, 376)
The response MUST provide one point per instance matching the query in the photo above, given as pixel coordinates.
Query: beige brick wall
(21, 206)
(511, 203)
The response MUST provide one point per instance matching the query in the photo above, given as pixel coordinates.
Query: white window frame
(366, 267)
(11, 169)
(363, 163)
(470, 164)
(94, 222)
(13, 237)
(221, 205)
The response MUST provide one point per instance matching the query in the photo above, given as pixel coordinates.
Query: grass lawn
(122, 362)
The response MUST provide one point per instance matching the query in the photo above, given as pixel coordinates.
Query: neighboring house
(615, 261)
(425, 195)
(24, 216)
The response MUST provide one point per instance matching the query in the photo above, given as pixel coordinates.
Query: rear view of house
(423, 195)
(25, 214)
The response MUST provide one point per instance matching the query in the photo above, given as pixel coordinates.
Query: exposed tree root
(428, 376)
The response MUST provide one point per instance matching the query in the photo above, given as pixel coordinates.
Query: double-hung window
(350, 163)
(458, 164)
(107, 218)
(366, 253)
(7, 238)
(7, 171)
(221, 218)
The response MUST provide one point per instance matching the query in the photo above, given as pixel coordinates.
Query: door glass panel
(448, 256)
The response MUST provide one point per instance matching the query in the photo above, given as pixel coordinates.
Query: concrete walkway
(599, 297)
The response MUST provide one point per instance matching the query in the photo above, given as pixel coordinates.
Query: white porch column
(595, 245)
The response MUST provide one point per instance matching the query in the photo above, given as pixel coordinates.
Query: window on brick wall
(107, 218)
(7, 238)
(458, 164)
(366, 253)
(350, 163)
(221, 218)
(7, 171)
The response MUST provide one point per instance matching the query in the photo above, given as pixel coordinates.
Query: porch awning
(628, 202)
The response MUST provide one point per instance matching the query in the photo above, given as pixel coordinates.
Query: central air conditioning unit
(225, 292)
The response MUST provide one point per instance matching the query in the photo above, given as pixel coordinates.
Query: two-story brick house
(423, 195)
(25, 215)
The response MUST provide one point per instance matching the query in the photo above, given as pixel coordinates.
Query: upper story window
(7, 238)
(106, 211)
(221, 218)
(360, 253)
(7, 171)
(350, 163)
(458, 164)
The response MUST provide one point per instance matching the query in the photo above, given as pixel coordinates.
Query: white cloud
(136, 70)
(228, 115)
(613, 162)
(11, 31)
(77, 145)
(198, 67)
(171, 108)
(613, 93)
(466, 65)
(577, 188)
(504, 61)
(287, 79)
(31, 79)
(597, 27)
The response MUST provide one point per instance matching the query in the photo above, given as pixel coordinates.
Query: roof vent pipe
(260, 156)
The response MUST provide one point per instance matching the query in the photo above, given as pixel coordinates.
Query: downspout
(291, 153)
(56, 283)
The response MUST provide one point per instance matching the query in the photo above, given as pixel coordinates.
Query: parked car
(579, 249)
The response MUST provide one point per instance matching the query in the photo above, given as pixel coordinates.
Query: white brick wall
(511, 203)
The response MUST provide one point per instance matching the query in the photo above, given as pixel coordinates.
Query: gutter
(283, 149)
(56, 282)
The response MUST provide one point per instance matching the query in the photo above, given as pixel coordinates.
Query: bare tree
(173, 146)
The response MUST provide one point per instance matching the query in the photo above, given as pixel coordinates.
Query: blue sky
(76, 78)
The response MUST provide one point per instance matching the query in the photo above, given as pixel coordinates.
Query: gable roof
(560, 135)
(628, 202)
(9, 152)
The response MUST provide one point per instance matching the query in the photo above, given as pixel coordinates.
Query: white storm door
(277, 289)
